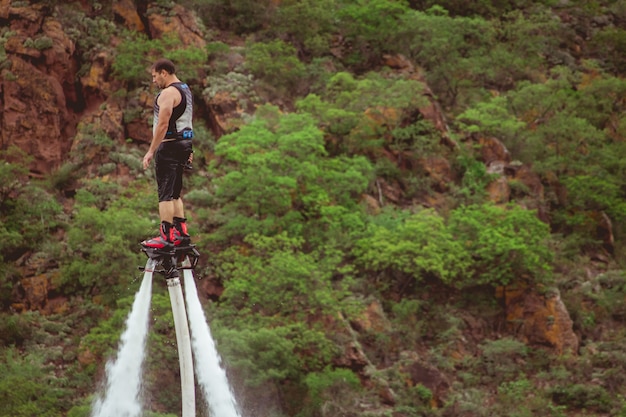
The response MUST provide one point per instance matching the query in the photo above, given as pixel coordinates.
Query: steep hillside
(402, 208)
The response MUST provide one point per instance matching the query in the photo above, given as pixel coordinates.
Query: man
(171, 149)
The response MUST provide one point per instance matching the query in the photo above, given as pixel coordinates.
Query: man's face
(158, 78)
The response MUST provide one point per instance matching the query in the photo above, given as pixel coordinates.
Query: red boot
(164, 241)
(181, 235)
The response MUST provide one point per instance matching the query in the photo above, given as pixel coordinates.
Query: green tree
(136, 53)
(274, 174)
(267, 322)
(239, 16)
(13, 177)
(99, 250)
(553, 125)
(23, 224)
(312, 38)
(369, 27)
(484, 8)
(569, 130)
(330, 390)
(416, 247)
(609, 44)
(27, 387)
(463, 56)
(506, 245)
(359, 114)
(274, 277)
(277, 64)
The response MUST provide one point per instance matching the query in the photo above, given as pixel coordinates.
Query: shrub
(582, 396)
(330, 390)
(500, 358)
(239, 16)
(274, 175)
(419, 246)
(99, 250)
(312, 38)
(262, 355)
(135, 72)
(277, 64)
(505, 243)
(14, 330)
(360, 114)
(274, 277)
(40, 43)
(22, 223)
(27, 387)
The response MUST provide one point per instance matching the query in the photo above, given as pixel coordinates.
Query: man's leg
(166, 236)
(177, 208)
(167, 210)
(180, 224)
(165, 170)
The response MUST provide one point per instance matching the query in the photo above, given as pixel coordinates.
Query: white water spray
(123, 376)
(211, 376)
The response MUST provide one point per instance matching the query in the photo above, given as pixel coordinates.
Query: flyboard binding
(167, 262)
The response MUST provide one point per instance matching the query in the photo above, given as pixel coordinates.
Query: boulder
(4, 8)
(225, 113)
(499, 191)
(59, 61)
(540, 319)
(420, 373)
(439, 171)
(127, 11)
(493, 150)
(35, 291)
(35, 116)
(373, 318)
(181, 22)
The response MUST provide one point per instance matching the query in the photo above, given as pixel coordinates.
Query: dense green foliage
(25, 389)
(275, 175)
(345, 214)
(136, 71)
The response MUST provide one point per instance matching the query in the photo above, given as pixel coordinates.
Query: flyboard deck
(168, 262)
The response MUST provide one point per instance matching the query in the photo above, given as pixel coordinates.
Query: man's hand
(147, 159)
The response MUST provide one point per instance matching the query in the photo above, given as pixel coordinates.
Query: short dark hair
(164, 64)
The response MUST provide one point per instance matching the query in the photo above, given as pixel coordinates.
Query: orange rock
(59, 60)
(439, 170)
(225, 113)
(35, 115)
(540, 319)
(36, 291)
(491, 149)
(127, 10)
(4, 8)
(499, 191)
(181, 23)
(373, 318)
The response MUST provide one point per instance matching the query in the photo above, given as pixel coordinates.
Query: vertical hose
(183, 341)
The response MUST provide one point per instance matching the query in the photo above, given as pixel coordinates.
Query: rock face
(35, 117)
(42, 102)
(127, 11)
(36, 86)
(540, 320)
(181, 23)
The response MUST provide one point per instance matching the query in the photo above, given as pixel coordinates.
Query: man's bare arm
(166, 101)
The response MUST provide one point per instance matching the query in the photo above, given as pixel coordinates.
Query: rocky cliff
(48, 90)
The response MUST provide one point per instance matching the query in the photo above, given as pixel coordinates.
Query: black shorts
(169, 161)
